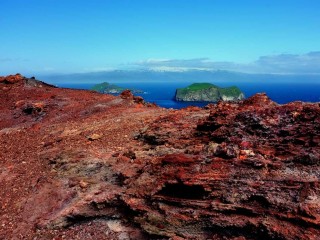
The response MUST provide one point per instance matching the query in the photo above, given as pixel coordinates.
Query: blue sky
(66, 36)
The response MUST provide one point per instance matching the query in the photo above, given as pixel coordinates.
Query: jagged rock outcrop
(250, 169)
(18, 78)
(11, 79)
(95, 166)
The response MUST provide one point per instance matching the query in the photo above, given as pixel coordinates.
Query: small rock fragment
(94, 137)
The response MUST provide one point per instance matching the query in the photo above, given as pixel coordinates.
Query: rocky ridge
(81, 165)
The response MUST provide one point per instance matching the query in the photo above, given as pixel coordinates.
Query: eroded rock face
(94, 166)
(254, 174)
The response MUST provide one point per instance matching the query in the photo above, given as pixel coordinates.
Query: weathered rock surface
(83, 165)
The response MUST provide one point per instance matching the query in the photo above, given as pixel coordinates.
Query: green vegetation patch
(101, 87)
(208, 92)
(200, 86)
(195, 87)
(230, 91)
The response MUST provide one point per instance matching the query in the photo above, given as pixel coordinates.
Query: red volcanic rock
(12, 79)
(177, 159)
(242, 170)
(33, 108)
(138, 99)
(255, 177)
(126, 94)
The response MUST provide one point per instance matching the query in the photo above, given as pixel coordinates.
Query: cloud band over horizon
(298, 64)
(308, 63)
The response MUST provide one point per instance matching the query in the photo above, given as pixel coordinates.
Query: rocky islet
(207, 92)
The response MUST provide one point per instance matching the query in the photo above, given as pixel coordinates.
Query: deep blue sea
(163, 93)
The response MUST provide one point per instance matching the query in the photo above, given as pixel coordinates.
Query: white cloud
(48, 69)
(291, 63)
(279, 64)
(99, 69)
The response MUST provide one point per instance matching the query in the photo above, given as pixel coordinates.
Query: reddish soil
(77, 164)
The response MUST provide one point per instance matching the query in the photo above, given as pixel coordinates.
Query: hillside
(77, 164)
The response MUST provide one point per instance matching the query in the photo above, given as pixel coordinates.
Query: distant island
(208, 92)
(112, 89)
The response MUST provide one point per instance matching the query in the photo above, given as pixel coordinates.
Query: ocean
(163, 93)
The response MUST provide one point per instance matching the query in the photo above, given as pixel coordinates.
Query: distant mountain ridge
(191, 76)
